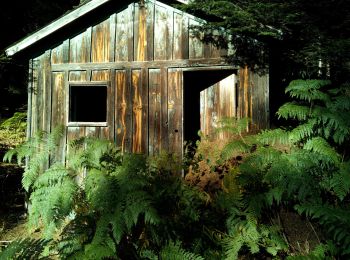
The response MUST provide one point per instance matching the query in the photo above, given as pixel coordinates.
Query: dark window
(88, 103)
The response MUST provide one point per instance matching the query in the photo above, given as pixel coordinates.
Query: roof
(58, 24)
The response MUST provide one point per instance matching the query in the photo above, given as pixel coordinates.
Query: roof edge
(58, 24)
(54, 26)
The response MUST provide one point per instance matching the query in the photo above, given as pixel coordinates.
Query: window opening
(88, 103)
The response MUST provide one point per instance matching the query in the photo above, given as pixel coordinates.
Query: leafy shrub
(13, 130)
(303, 166)
(131, 207)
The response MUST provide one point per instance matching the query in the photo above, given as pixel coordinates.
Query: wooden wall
(141, 52)
(154, 32)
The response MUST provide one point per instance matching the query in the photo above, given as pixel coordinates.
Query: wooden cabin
(134, 73)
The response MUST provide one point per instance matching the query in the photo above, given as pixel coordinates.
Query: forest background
(298, 170)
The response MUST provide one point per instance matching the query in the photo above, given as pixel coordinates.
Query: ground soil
(12, 209)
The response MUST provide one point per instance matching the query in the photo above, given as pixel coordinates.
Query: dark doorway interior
(194, 83)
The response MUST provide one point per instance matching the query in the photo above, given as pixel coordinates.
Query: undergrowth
(101, 203)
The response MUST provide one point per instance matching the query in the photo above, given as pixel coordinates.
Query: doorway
(209, 95)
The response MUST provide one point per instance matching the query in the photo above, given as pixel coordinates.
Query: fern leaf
(275, 136)
(340, 181)
(174, 251)
(302, 131)
(292, 110)
(321, 146)
(26, 248)
(232, 245)
(233, 147)
(308, 90)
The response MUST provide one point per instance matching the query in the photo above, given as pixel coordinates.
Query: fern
(293, 110)
(303, 131)
(174, 251)
(339, 182)
(273, 137)
(38, 149)
(321, 146)
(25, 248)
(308, 90)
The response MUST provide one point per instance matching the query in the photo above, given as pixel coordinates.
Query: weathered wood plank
(29, 102)
(260, 101)
(124, 35)
(241, 84)
(57, 54)
(46, 86)
(100, 44)
(112, 29)
(140, 112)
(92, 131)
(39, 93)
(123, 111)
(78, 75)
(43, 92)
(143, 31)
(175, 106)
(80, 47)
(217, 102)
(74, 133)
(150, 29)
(100, 75)
(196, 46)
(163, 33)
(108, 132)
(60, 54)
(155, 106)
(59, 115)
(164, 144)
(207, 103)
(192, 63)
(34, 111)
(181, 39)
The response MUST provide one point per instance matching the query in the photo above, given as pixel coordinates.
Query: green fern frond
(234, 147)
(118, 224)
(308, 90)
(174, 251)
(231, 246)
(341, 102)
(275, 136)
(293, 110)
(25, 248)
(302, 131)
(321, 146)
(340, 181)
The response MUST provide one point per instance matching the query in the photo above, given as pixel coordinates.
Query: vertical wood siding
(59, 114)
(123, 110)
(217, 102)
(175, 94)
(137, 33)
(155, 105)
(145, 103)
(253, 98)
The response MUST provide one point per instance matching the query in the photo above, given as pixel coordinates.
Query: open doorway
(209, 95)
